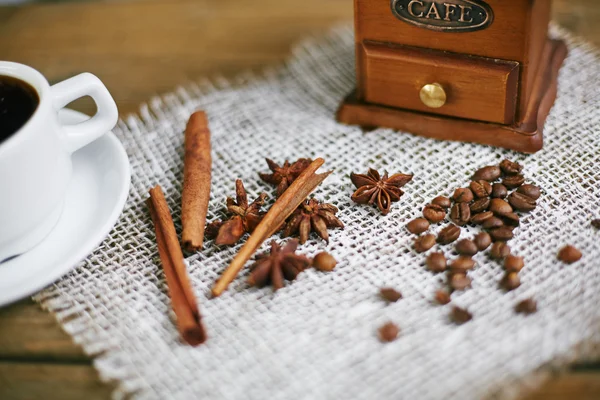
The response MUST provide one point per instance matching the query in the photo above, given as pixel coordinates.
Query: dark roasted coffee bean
(513, 263)
(442, 297)
(596, 223)
(510, 281)
(489, 174)
(510, 168)
(500, 250)
(513, 181)
(442, 201)
(436, 262)
(463, 195)
(521, 202)
(462, 264)
(569, 254)
(502, 234)
(390, 295)
(493, 223)
(460, 213)
(460, 315)
(466, 247)
(482, 240)
(449, 234)
(424, 243)
(480, 218)
(459, 281)
(434, 213)
(388, 332)
(527, 306)
(510, 219)
(481, 188)
(500, 207)
(530, 191)
(499, 191)
(417, 226)
(480, 205)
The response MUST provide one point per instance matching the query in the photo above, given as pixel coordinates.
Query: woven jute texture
(316, 338)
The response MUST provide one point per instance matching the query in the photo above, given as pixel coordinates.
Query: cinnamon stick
(272, 221)
(183, 301)
(196, 181)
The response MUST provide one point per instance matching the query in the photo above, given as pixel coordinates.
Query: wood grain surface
(143, 48)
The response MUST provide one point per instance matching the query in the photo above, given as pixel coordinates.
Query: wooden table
(143, 48)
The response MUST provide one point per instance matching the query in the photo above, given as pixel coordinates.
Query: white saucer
(95, 199)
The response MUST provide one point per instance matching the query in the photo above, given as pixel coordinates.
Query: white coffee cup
(35, 161)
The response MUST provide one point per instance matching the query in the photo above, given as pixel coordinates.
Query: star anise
(284, 175)
(312, 215)
(245, 217)
(280, 263)
(375, 189)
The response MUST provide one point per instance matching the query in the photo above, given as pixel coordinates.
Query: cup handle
(78, 135)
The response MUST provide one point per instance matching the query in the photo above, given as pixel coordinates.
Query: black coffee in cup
(18, 101)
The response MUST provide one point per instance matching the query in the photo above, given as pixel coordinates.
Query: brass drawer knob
(433, 95)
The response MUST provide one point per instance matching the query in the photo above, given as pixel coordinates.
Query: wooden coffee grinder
(465, 70)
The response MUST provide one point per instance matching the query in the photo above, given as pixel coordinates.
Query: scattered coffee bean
(460, 315)
(434, 213)
(481, 188)
(500, 250)
(324, 262)
(388, 332)
(462, 264)
(510, 219)
(510, 168)
(490, 174)
(527, 306)
(424, 243)
(482, 240)
(436, 262)
(442, 201)
(480, 205)
(510, 281)
(499, 207)
(513, 181)
(569, 254)
(502, 234)
(466, 247)
(442, 297)
(514, 263)
(418, 226)
(531, 191)
(492, 223)
(463, 195)
(596, 223)
(459, 281)
(460, 213)
(499, 191)
(521, 202)
(480, 218)
(449, 234)
(390, 295)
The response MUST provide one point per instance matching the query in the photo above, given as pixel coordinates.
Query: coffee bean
(442, 201)
(480, 205)
(449, 234)
(500, 250)
(569, 254)
(466, 247)
(460, 213)
(521, 202)
(462, 264)
(482, 240)
(459, 281)
(531, 191)
(481, 188)
(510, 281)
(510, 168)
(480, 218)
(434, 213)
(442, 297)
(513, 181)
(436, 262)
(424, 243)
(596, 223)
(463, 195)
(510, 219)
(390, 295)
(490, 174)
(527, 306)
(499, 207)
(460, 315)
(388, 332)
(499, 191)
(502, 234)
(492, 223)
(417, 226)
(513, 263)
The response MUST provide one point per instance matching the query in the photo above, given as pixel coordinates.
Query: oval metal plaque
(445, 15)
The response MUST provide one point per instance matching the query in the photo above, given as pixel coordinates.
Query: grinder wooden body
(468, 70)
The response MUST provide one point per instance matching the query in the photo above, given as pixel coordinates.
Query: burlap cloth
(316, 338)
